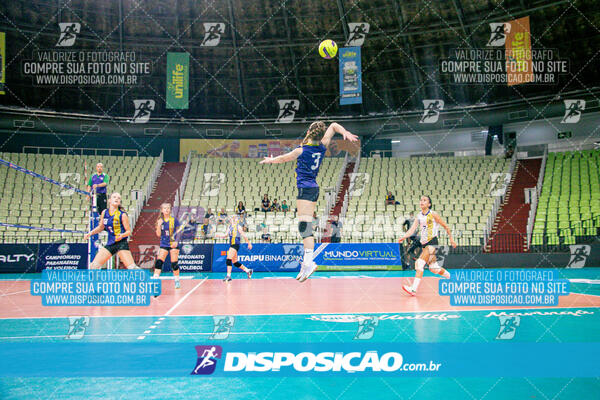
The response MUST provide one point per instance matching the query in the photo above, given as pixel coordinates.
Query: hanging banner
(178, 80)
(2, 61)
(350, 76)
(519, 61)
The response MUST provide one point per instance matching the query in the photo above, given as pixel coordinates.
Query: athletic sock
(416, 283)
(308, 256)
(446, 274)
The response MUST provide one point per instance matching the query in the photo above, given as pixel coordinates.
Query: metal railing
(534, 202)
(181, 190)
(346, 200)
(141, 200)
(83, 151)
(499, 199)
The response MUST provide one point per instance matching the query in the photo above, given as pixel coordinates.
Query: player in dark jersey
(167, 228)
(116, 222)
(235, 233)
(310, 156)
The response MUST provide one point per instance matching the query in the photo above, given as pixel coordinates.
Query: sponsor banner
(231, 148)
(193, 258)
(178, 80)
(339, 256)
(62, 256)
(356, 359)
(264, 257)
(519, 61)
(18, 257)
(350, 76)
(2, 62)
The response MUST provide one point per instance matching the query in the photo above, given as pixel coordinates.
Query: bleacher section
(569, 205)
(458, 186)
(246, 180)
(30, 201)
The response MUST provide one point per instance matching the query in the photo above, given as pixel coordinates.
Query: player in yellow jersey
(429, 222)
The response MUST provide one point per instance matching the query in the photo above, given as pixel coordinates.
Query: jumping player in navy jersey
(166, 229)
(116, 222)
(310, 156)
(235, 233)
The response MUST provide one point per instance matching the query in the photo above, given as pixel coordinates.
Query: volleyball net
(44, 201)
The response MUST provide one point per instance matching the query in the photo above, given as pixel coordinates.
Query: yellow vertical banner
(2, 61)
(519, 62)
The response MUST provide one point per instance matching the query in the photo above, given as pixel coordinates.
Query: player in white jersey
(428, 222)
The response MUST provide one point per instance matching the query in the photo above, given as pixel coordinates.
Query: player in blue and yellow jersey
(309, 157)
(235, 234)
(167, 228)
(116, 222)
(429, 222)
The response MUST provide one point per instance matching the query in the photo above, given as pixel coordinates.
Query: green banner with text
(178, 80)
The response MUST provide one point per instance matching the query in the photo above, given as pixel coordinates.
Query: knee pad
(175, 266)
(420, 264)
(237, 264)
(435, 267)
(228, 262)
(158, 264)
(305, 229)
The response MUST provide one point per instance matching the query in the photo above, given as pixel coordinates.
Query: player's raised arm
(410, 232)
(337, 128)
(443, 224)
(291, 156)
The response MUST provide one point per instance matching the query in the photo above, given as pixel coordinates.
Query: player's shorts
(117, 246)
(415, 244)
(168, 248)
(310, 194)
(235, 246)
(433, 242)
(100, 202)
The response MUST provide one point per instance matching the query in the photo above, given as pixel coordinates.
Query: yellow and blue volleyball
(328, 49)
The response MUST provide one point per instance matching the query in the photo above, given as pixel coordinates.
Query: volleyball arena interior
(316, 199)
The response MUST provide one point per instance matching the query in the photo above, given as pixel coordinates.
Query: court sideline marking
(147, 331)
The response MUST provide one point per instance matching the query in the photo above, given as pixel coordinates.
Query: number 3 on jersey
(317, 157)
